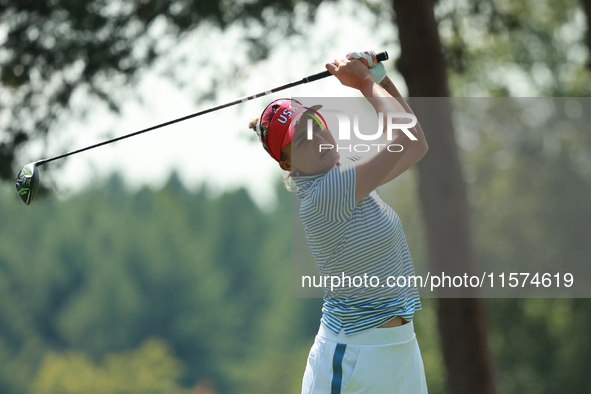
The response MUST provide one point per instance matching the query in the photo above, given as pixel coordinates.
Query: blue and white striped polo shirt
(350, 241)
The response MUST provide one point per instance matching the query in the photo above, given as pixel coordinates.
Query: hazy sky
(218, 148)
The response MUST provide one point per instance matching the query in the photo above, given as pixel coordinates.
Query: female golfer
(366, 341)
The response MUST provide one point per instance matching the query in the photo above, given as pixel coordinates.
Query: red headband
(275, 123)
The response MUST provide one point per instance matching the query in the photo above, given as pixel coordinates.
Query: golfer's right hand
(352, 73)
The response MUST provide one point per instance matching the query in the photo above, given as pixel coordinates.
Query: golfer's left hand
(377, 69)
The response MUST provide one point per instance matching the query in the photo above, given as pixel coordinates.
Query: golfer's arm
(417, 150)
(372, 172)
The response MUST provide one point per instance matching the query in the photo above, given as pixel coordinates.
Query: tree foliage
(55, 52)
(149, 369)
(107, 270)
(515, 48)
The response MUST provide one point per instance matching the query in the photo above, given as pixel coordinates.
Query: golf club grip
(382, 56)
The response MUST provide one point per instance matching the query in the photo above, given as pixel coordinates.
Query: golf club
(27, 181)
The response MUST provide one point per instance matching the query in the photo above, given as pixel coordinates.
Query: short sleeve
(333, 195)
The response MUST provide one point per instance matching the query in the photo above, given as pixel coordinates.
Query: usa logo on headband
(285, 115)
(276, 121)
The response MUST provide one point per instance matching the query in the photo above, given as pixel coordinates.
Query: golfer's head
(278, 124)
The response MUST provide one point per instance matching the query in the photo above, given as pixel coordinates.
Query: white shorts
(378, 361)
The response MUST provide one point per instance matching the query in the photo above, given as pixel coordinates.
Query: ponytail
(287, 180)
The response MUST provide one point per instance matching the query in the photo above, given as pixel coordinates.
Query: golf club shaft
(380, 56)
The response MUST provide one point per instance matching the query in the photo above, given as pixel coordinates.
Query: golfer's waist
(375, 336)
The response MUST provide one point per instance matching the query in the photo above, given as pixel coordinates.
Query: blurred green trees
(151, 369)
(106, 270)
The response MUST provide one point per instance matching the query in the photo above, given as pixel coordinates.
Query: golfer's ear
(285, 160)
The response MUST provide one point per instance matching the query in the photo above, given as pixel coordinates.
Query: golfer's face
(310, 156)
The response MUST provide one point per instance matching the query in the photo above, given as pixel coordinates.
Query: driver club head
(27, 182)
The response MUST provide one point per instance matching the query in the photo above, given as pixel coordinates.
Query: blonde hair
(287, 176)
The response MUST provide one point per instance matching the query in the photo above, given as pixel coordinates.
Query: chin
(333, 156)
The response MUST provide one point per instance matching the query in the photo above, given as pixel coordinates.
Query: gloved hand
(377, 69)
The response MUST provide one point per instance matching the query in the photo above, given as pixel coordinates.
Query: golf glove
(377, 69)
